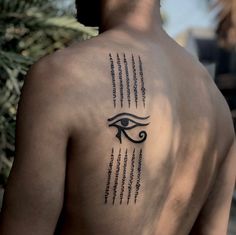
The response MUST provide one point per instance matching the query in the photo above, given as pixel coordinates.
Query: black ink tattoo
(121, 81)
(122, 69)
(116, 177)
(127, 81)
(109, 173)
(124, 176)
(135, 81)
(128, 89)
(131, 179)
(113, 80)
(143, 89)
(138, 184)
(124, 123)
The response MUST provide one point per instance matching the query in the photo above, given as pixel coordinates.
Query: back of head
(88, 12)
(91, 13)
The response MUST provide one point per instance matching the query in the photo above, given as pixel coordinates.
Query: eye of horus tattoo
(125, 122)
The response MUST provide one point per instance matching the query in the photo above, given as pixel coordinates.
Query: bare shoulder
(210, 97)
(58, 72)
(222, 115)
(72, 62)
(47, 91)
(58, 83)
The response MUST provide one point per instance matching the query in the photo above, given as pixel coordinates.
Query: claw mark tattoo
(125, 122)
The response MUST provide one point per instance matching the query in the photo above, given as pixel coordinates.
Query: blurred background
(30, 29)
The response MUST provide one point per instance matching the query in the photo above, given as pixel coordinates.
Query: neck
(141, 15)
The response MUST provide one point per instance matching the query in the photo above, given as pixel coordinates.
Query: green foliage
(29, 29)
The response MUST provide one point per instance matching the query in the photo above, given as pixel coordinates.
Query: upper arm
(214, 217)
(35, 190)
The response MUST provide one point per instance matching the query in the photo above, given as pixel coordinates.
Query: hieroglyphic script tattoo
(125, 165)
(135, 81)
(120, 80)
(131, 177)
(116, 177)
(126, 188)
(138, 184)
(124, 176)
(127, 81)
(143, 89)
(109, 173)
(113, 80)
(120, 76)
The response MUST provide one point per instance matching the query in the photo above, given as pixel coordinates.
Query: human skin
(66, 138)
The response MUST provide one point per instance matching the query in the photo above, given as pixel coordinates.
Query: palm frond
(29, 29)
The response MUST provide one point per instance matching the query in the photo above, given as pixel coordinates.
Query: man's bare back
(122, 134)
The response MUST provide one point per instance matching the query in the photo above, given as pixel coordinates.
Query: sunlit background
(184, 14)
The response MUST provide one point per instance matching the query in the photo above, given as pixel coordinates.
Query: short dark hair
(88, 12)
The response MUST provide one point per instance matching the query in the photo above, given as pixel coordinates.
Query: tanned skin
(183, 182)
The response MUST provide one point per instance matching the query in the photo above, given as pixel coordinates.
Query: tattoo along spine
(124, 173)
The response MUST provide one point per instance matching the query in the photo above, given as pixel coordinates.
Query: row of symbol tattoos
(123, 178)
(122, 77)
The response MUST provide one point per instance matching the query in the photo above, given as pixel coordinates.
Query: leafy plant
(29, 29)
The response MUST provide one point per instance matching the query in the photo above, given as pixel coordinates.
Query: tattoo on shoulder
(124, 172)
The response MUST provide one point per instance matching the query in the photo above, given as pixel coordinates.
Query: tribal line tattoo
(113, 80)
(120, 77)
(135, 82)
(127, 81)
(143, 89)
(138, 184)
(127, 188)
(125, 122)
(121, 81)
(131, 177)
(124, 176)
(109, 173)
(117, 177)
